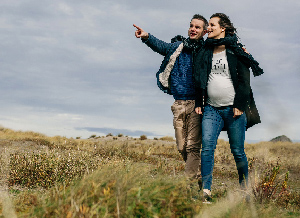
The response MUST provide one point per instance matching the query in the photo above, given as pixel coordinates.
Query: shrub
(120, 135)
(143, 137)
(92, 136)
(109, 134)
(271, 188)
(167, 138)
(45, 169)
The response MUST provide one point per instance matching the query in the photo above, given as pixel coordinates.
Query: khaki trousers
(187, 125)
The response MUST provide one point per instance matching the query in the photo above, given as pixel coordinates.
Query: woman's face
(214, 31)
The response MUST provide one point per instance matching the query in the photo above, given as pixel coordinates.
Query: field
(118, 176)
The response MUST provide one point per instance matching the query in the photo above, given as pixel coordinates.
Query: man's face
(196, 30)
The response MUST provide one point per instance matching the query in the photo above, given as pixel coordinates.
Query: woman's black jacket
(240, 75)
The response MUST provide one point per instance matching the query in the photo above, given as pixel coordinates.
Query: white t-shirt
(220, 88)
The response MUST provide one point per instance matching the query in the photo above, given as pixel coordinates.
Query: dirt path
(8, 210)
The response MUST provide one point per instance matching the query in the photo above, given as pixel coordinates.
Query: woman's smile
(214, 29)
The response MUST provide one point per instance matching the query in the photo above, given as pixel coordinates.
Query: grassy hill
(117, 176)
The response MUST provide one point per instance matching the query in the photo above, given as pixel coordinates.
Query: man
(175, 77)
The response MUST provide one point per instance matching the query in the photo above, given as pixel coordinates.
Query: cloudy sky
(74, 68)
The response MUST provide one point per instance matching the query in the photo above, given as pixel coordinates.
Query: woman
(222, 80)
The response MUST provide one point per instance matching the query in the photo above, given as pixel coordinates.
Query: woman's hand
(198, 110)
(237, 112)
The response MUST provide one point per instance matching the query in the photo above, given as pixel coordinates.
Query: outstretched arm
(140, 33)
(154, 43)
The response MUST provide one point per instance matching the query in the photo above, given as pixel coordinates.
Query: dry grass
(99, 177)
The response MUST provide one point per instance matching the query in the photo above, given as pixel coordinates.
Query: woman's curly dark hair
(225, 23)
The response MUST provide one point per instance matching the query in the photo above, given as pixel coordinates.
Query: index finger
(136, 26)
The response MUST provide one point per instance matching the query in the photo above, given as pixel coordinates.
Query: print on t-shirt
(219, 66)
(220, 88)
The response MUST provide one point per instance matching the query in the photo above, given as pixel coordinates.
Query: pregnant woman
(222, 79)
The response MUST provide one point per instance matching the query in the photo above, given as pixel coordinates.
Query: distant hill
(281, 138)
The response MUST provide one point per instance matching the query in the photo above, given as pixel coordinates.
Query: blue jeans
(213, 121)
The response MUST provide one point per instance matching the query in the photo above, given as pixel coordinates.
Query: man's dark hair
(200, 17)
(225, 23)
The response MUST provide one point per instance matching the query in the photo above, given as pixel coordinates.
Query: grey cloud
(81, 58)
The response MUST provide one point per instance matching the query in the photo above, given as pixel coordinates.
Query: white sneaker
(207, 199)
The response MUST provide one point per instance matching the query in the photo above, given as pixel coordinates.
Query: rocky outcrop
(281, 138)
